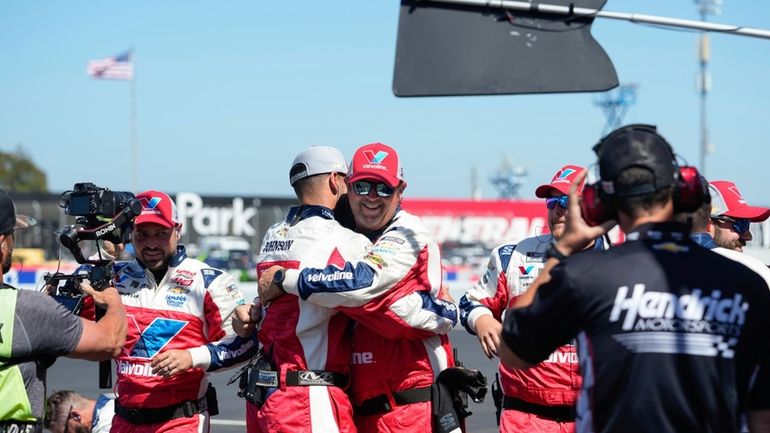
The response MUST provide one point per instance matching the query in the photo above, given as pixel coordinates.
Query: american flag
(112, 68)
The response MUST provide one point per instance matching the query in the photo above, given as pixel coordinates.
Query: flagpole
(133, 123)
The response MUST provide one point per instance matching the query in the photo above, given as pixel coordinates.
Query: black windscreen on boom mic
(452, 49)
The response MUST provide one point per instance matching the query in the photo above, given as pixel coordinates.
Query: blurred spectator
(732, 216)
(702, 229)
(68, 411)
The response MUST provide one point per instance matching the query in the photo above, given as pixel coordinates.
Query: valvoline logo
(375, 158)
(151, 203)
(564, 174)
(525, 270)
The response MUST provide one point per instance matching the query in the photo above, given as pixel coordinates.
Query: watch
(278, 278)
(553, 252)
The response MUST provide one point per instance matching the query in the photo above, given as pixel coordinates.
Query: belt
(381, 403)
(19, 427)
(304, 378)
(144, 416)
(562, 413)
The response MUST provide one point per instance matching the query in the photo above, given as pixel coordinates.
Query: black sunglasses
(739, 225)
(363, 187)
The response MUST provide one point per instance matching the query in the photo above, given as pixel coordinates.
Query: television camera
(101, 215)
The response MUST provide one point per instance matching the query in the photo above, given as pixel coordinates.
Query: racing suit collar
(598, 244)
(669, 230)
(176, 259)
(299, 213)
(703, 239)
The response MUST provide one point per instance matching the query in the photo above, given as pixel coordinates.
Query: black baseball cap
(640, 146)
(9, 220)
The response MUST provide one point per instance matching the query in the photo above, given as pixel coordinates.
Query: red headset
(690, 190)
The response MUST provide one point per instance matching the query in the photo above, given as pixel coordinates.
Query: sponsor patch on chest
(534, 257)
(392, 239)
(179, 290)
(183, 277)
(527, 275)
(175, 300)
(376, 260)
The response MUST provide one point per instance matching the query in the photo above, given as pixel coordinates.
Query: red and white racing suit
(554, 383)
(391, 291)
(300, 336)
(190, 308)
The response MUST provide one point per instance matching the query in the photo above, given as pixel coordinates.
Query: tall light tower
(508, 179)
(615, 104)
(705, 7)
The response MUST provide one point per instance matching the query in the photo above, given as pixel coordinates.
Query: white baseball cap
(317, 160)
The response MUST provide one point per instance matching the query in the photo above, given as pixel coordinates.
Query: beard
(730, 244)
(7, 262)
(157, 260)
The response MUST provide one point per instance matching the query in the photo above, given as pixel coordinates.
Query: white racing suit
(190, 308)
(391, 290)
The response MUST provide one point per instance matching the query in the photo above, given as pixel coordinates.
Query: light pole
(705, 7)
(615, 103)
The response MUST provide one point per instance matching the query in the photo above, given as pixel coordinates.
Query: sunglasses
(562, 200)
(362, 187)
(739, 225)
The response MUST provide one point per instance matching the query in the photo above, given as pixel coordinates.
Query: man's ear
(76, 414)
(400, 190)
(710, 228)
(335, 188)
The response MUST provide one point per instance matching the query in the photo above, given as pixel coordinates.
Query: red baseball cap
(727, 200)
(561, 182)
(376, 161)
(157, 207)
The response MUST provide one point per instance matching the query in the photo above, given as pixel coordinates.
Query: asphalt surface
(82, 377)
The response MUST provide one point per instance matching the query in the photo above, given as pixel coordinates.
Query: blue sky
(230, 91)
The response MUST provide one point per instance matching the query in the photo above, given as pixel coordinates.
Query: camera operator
(672, 337)
(181, 328)
(35, 330)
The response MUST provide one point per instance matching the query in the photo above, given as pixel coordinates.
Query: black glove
(471, 382)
